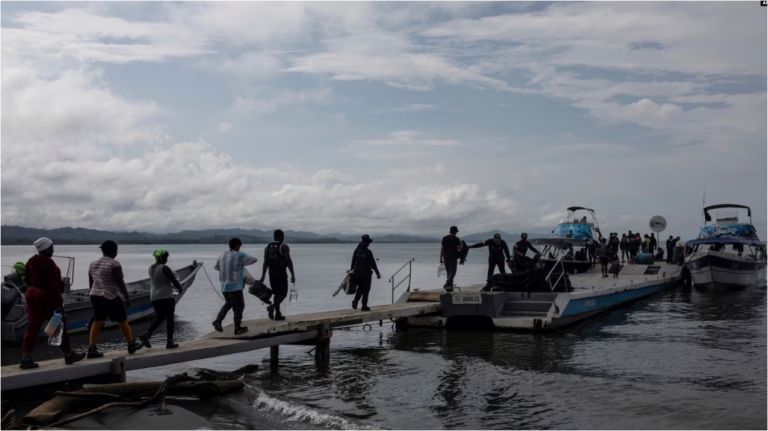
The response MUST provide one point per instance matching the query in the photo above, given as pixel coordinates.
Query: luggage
(260, 290)
(644, 259)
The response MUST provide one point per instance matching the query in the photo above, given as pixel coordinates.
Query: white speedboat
(572, 233)
(726, 254)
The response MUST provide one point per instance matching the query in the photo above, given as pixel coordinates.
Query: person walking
(363, 265)
(164, 288)
(450, 249)
(624, 246)
(498, 253)
(105, 279)
(43, 298)
(231, 265)
(277, 257)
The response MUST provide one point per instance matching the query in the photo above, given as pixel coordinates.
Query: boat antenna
(703, 204)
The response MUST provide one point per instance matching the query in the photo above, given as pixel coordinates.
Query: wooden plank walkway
(262, 333)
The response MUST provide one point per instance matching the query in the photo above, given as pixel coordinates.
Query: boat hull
(720, 270)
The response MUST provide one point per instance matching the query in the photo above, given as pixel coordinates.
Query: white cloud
(224, 127)
(266, 101)
(408, 107)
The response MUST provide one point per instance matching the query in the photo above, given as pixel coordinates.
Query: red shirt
(43, 273)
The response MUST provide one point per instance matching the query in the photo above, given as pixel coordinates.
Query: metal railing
(407, 277)
(551, 285)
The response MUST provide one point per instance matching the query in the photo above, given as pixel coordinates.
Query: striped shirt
(104, 283)
(230, 266)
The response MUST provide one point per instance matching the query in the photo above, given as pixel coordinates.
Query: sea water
(683, 358)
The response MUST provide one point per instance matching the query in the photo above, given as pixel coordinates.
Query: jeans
(235, 301)
(363, 285)
(451, 265)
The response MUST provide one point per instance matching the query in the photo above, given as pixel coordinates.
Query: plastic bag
(441, 272)
(55, 338)
(293, 295)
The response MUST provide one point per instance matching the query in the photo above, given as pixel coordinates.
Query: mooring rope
(212, 286)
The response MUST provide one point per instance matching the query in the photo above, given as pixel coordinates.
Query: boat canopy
(573, 231)
(707, 217)
(752, 242)
(574, 209)
(743, 231)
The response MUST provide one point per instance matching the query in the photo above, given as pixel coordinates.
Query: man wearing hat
(364, 265)
(449, 255)
(498, 253)
(277, 257)
(43, 299)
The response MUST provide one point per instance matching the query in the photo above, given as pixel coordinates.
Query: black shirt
(634, 244)
(273, 255)
(523, 246)
(451, 245)
(362, 259)
(495, 251)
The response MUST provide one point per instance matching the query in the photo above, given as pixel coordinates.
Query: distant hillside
(17, 235)
(506, 236)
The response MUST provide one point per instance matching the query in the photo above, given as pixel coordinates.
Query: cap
(497, 236)
(454, 229)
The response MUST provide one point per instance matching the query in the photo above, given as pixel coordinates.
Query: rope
(212, 287)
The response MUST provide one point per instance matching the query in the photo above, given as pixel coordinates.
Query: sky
(381, 117)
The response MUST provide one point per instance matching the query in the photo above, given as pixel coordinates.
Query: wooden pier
(313, 329)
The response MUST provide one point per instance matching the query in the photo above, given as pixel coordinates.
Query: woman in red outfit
(43, 299)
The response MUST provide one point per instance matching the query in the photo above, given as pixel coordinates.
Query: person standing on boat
(164, 289)
(363, 265)
(652, 244)
(230, 266)
(520, 249)
(671, 242)
(449, 255)
(624, 246)
(498, 253)
(277, 257)
(43, 298)
(105, 279)
(592, 251)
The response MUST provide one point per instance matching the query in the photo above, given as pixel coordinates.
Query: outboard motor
(11, 296)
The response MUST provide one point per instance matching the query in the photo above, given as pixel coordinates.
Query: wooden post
(118, 368)
(274, 351)
(322, 348)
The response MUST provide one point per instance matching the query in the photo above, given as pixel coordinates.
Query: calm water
(683, 358)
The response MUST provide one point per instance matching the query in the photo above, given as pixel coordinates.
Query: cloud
(224, 127)
(408, 107)
(265, 101)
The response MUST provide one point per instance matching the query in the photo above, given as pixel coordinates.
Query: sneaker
(171, 345)
(217, 326)
(279, 316)
(449, 289)
(240, 330)
(27, 364)
(93, 353)
(365, 308)
(144, 338)
(133, 347)
(271, 311)
(354, 305)
(70, 358)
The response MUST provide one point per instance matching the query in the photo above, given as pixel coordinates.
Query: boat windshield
(573, 230)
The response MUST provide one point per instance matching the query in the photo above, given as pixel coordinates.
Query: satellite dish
(657, 223)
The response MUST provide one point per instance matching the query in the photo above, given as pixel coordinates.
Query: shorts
(112, 308)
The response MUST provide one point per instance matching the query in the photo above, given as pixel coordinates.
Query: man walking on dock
(449, 255)
(43, 299)
(277, 257)
(363, 263)
(624, 245)
(498, 253)
(105, 279)
(230, 266)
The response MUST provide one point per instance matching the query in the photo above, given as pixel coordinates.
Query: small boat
(726, 253)
(571, 233)
(77, 303)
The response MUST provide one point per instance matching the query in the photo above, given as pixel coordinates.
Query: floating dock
(310, 329)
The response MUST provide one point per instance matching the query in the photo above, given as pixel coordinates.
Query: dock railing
(407, 277)
(551, 285)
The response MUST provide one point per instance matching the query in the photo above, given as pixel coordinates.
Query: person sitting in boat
(523, 262)
(164, 289)
(43, 300)
(570, 256)
(584, 220)
(105, 279)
